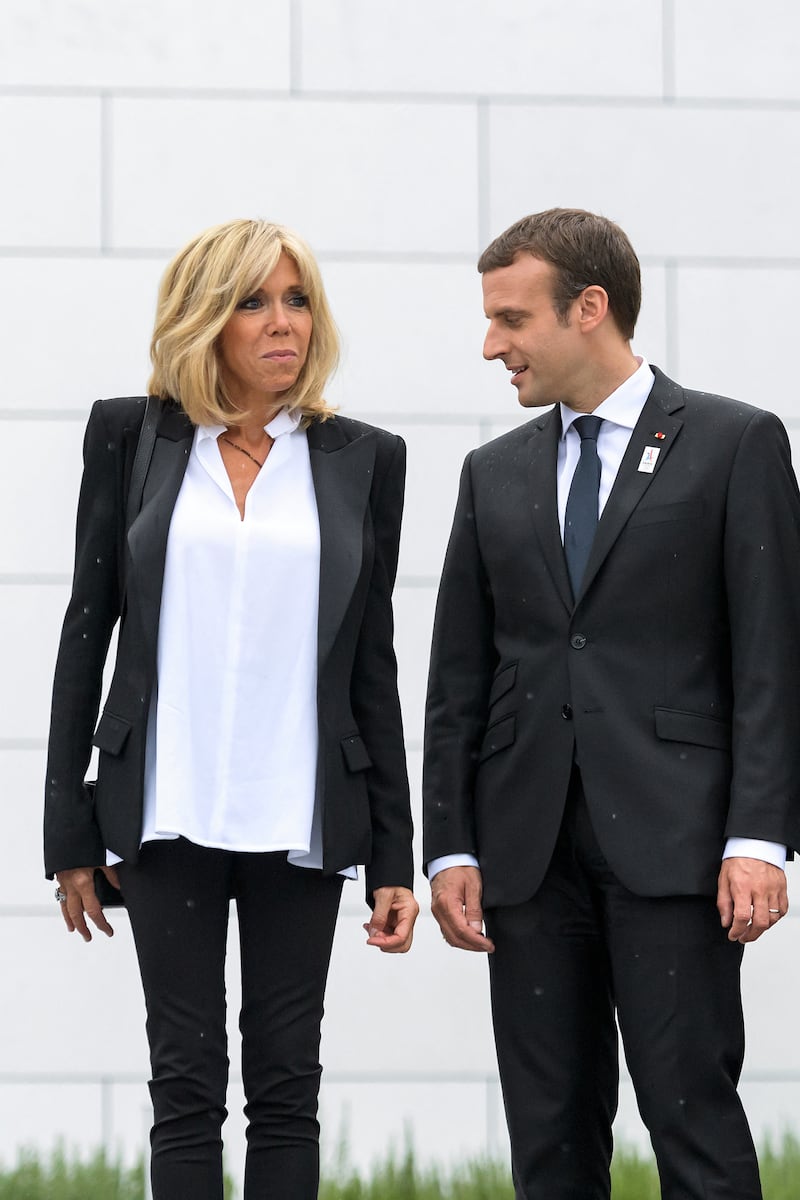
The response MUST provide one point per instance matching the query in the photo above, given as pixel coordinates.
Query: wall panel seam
(403, 257)
(438, 99)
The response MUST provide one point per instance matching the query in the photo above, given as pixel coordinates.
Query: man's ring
(61, 897)
(776, 911)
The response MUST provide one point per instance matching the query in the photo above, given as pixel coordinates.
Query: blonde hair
(199, 292)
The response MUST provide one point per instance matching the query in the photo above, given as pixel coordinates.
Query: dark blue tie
(580, 521)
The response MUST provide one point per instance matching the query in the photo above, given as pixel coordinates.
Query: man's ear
(591, 307)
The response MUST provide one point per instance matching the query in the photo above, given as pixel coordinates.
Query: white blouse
(231, 753)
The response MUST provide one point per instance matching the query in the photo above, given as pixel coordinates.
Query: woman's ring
(61, 897)
(776, 911)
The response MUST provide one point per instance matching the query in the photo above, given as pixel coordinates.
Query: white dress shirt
(620, 412)
(231, 755)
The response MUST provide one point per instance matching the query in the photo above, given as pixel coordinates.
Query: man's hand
(391, 926)
(751, 897)
(82, 902)
(456, 903)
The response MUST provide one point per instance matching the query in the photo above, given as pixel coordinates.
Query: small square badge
(648, 459)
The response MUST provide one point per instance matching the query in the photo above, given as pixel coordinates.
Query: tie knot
(588, 427)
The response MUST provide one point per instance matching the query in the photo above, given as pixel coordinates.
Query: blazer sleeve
(71, 835)
(374, 693)
(762, 568)
(463, 660)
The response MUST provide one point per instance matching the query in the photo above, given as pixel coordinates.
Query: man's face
(545, 356)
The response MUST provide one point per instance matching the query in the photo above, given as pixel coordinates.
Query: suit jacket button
(566, 712)
(577, 641)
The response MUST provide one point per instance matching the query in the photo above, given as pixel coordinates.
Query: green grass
(633, 1175)
(780, 1168)
(66, 1177)
(62, 1176)
(402, 1179)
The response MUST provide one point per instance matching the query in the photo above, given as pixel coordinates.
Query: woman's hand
(82, 902)
(391, 927)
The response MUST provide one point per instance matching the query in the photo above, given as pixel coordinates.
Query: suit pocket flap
(675, 726)
(658, 514)
(355, 753)
(111, 733)
(498, 736)
(503, 682)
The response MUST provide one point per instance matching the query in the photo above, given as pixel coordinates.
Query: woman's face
(264, 345)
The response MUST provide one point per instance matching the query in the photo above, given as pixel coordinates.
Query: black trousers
(178, 897)
(581, 949)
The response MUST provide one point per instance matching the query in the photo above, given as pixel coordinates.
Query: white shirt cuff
(450, 860)
(770, 852)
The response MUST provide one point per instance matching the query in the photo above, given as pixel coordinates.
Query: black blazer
(358, 473)
(673, 680)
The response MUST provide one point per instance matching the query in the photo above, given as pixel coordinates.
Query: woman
(251, 742)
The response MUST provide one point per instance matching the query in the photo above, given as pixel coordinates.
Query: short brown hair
(199, 292)
(585, 249)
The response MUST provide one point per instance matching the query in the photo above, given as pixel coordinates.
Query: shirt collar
(283, 422)
(624, 405)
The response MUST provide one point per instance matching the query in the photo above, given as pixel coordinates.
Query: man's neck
(603, 376)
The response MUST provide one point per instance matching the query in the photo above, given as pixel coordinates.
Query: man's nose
(493, 344)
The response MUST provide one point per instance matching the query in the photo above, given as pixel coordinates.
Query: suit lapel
(656, 419)
(541, 471)
(147, 536)
(342, 471)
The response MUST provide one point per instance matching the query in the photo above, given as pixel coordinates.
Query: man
(613, 729)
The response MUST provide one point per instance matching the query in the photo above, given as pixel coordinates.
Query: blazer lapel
(656, 429)
(342, 471)
(541, 471)
(147, 536)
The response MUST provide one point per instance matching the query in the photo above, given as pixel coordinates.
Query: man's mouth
(515, 371)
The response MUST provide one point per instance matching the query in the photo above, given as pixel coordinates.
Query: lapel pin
(647, 463)
(660, 436)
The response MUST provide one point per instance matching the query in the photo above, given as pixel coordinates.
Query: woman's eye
(250, 302)
(299, 301)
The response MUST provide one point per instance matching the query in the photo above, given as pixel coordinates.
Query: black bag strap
(141, 461)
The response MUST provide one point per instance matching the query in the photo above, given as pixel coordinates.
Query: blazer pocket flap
(111, 733)
(355, 753)
(675, 726)
(498, 737)
(657, 514)
(503, 682)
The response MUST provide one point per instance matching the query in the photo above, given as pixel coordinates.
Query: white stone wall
(398, 138)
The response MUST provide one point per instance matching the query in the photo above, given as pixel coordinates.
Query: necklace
(242, 450)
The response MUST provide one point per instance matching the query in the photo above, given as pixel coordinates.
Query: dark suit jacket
(674, 680)
(358, 474)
